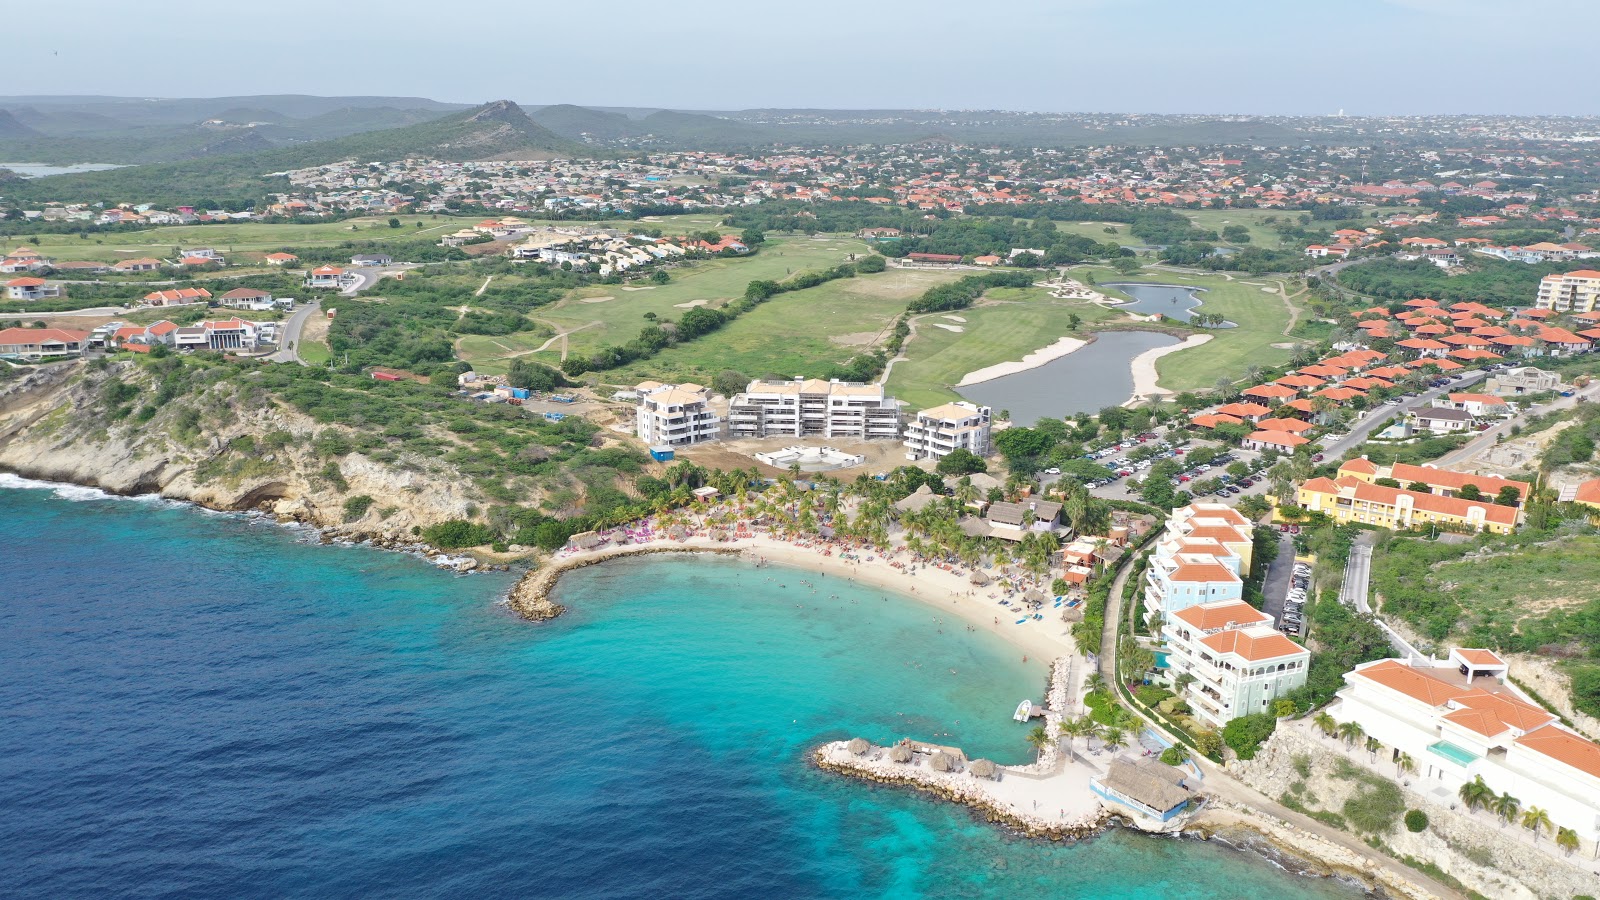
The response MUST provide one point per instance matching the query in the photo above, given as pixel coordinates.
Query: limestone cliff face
(242, 453)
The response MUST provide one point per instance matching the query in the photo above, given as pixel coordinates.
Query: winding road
(289, 343)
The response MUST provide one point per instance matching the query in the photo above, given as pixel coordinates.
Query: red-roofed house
(38, 343)
(1351, 499)
(1239, 663)
(1281, 441)
(30, 288)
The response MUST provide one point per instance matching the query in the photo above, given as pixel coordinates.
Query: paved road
(1489, 438)
(1383, 414)
(1358, 574)
(1275, 587)
(289, 342)
(367, 277)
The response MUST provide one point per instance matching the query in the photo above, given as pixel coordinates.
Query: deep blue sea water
(202, 705)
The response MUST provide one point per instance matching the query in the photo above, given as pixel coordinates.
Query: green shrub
(1172, 756)
(1416, 820)
(1246, 734)
(457, 533)
(356, 507)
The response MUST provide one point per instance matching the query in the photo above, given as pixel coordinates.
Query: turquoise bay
(201, 705)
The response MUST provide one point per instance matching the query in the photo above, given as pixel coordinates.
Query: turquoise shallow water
(197, 705)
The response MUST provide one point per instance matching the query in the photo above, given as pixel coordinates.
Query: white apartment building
(675, 414)
(1572, 292)
(1239, 662)
(937, 431)
(814, 408)
(1202, 557)
(1457, 719)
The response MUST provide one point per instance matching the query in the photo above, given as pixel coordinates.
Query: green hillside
(495, 130)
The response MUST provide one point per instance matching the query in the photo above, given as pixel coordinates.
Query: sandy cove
(1145, 378)
(1033, 360)
(940, 588)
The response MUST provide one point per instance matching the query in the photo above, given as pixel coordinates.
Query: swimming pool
(1453, 753)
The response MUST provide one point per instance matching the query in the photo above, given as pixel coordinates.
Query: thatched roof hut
(942, 762)
(900, 753)
(858, 746)
(677, 532)
(979, 578)
(719, 535)
(586, 540)
(1034, 597)
(983, 768)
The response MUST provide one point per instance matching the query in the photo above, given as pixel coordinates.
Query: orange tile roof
(1269, 391)
(1293, 426)
(1243, 410)
(1195, 571)
(1399, 677)
(1360, 465)
(1253, 647)
(1278, 438)
(1564, 747)
(1405, 473)
(1226, 614)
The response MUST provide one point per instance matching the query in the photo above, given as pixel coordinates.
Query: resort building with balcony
(1202, 557)
(1458, 719)
(814, 408)
(672, 415)
(936, 432)
(1238, 662)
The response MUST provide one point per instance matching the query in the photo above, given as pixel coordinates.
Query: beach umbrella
(676, 532)
(942, 762)
(983, 768)
(858, 746)
(978, 578)
(719, 535)
(900, 753)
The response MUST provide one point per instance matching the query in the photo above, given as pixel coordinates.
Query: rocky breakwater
(531, 596)
(868, 762)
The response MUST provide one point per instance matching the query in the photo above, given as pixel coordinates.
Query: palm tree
(1567, 839)
(1536, 820)
(1373, 747)
(1078, 726)
(1325, 723)
(1475, 794)
(1405, 764)
(1114, 737)
(1039, 738)
(1351, 732)
(1095, 682)
(1506, 807)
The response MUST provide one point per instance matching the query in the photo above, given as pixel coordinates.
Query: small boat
(1024, 711)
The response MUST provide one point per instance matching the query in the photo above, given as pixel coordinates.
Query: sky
(1264, 57)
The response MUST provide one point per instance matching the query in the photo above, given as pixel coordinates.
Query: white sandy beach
(1144, 366)
(1033, 360)
(942, 589)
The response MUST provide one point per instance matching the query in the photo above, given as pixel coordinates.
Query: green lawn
(1007, 325)
(314, 353)
(801, 333)
(1261, 318)
(243, 237)
(710, 282)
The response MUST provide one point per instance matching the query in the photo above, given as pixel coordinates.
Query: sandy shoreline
(1145, 379)
(1033, 360)
(940, 589)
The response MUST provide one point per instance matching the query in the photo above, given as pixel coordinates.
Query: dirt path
(1294, 308)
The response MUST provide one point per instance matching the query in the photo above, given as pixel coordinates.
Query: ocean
(195, 704)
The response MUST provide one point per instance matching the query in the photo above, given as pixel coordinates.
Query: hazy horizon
(1240, 57)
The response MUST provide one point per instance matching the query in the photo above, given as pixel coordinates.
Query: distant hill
(577, 122)
(11, 129)
(237, 167)
(695, 129)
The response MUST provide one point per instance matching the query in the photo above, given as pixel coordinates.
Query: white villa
(1458, 719)
(814, 408)
(1239, 662)
(672, 415)
(936, 432)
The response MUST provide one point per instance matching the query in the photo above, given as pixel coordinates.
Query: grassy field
(800, 333)
(709, 282)
(1261, 318)
(257, 237)
(1008, 324)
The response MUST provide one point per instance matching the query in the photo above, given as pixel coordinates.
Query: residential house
(177, 296)
(671, 415)
(325, 277)
(247, 298)
(1443, 419)
(1202, 556)
(1238, 661)
(1279, 441)
(23, 259)
(935, 432)
(1010, 521)
(39, 343)
(1458, 719)
(814, 408)
(1572, 292)
(29, 288)
(281, 259)
(1523, 380)
(1479, 405)
(1444, 482)
(143, 264)
(371, 259)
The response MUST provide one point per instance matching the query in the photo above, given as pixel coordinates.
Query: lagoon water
(1170, 300)
(205, 705)
(1086, 380)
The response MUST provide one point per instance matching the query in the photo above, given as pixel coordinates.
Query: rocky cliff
(218, 448)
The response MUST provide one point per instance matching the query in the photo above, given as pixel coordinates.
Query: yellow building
(1351, 500)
